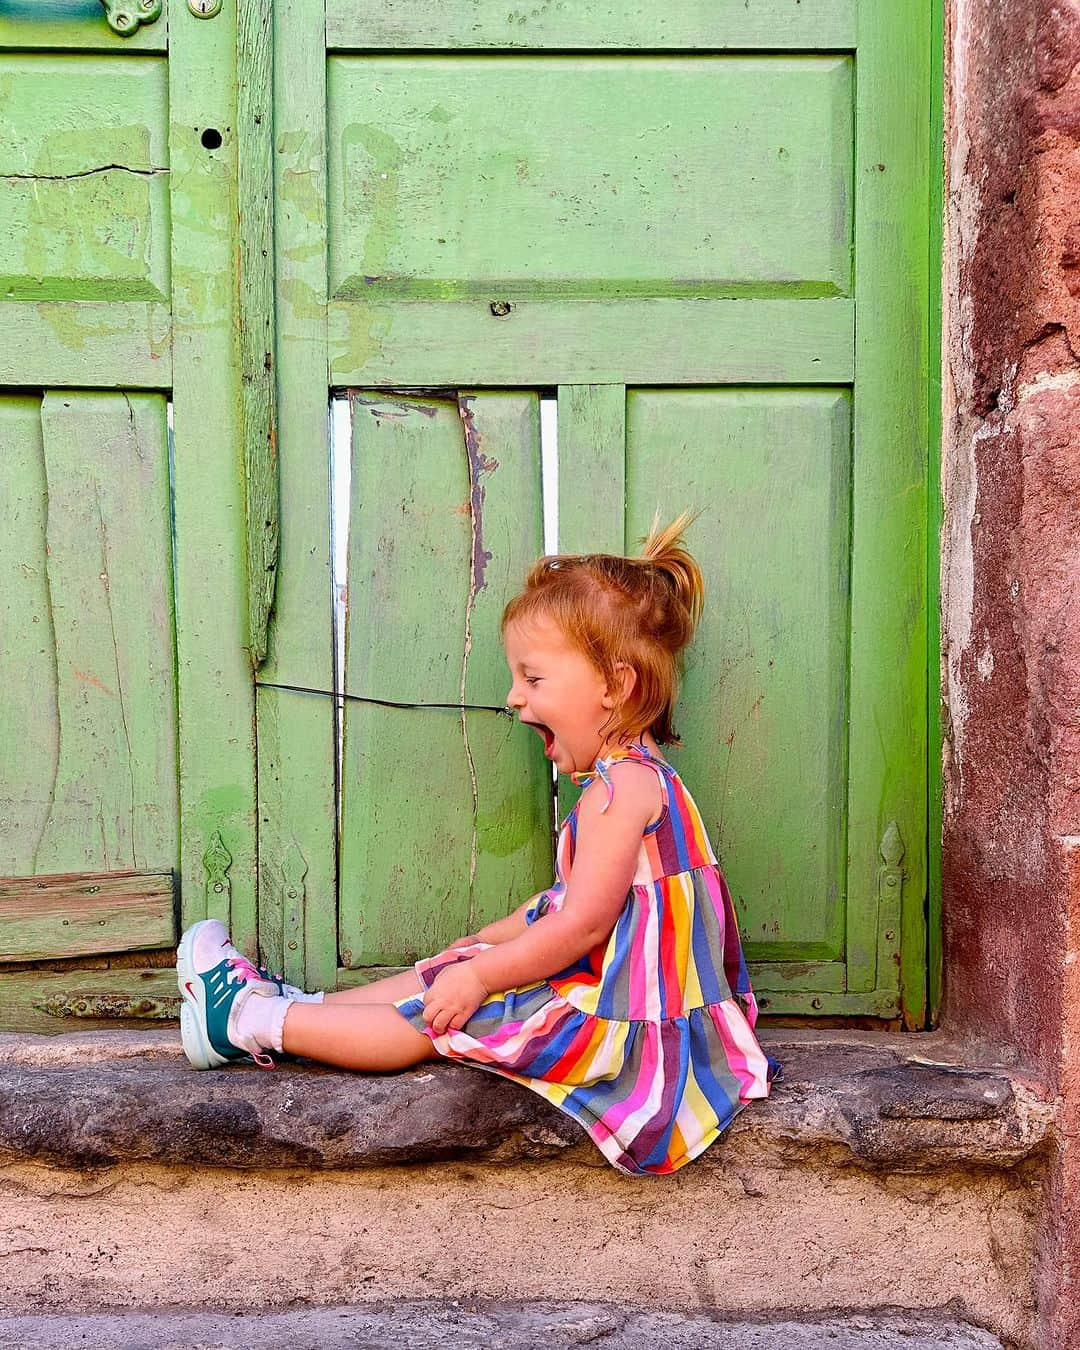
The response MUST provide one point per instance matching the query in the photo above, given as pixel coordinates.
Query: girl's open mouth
(547, 734)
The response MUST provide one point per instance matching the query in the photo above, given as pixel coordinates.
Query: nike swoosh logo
(190, 990)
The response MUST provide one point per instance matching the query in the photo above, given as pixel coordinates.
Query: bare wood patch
(84, 914)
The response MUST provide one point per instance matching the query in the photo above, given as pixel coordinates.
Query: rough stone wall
(1011, 564)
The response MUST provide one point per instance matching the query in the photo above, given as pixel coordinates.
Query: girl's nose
(515, 699)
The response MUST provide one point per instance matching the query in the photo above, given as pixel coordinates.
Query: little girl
(620, 994)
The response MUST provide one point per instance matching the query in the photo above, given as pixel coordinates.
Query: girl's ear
(625, 679)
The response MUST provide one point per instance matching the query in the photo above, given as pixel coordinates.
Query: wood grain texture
(28, 714)
(217, 745)
(77, 915)
(691, 25)
(296, 743)
(553, 342)
(446, 818)
(54, 1004)
(256, 290)
(96, 788)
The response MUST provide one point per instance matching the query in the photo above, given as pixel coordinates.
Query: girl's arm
(605, 858)
(502, 930)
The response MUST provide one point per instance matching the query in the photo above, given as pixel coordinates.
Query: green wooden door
(127, 770)
(704, 231)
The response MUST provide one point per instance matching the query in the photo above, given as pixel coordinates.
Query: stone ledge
(477, 1324)
(866, 1099)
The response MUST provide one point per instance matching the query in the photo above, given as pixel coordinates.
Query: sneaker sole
(197, 1047)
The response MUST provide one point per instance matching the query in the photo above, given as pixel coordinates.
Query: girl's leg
(387, 990)
(373, 1036)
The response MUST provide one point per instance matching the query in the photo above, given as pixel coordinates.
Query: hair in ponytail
(641, 610)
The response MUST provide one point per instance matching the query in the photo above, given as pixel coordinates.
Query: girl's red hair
(642, 611)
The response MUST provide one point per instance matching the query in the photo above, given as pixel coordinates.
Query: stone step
(884, 1172)
(422, 1325)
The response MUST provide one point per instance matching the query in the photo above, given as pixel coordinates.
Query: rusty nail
(500, 308)
(890, 936)
(815, 1003)
(292, 946)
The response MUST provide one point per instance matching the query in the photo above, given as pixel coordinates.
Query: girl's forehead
(535, 637)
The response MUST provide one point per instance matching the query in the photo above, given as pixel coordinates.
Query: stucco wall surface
(1011, 565)
(745, 1239)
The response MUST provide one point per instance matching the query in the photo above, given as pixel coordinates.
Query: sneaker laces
(240, 969)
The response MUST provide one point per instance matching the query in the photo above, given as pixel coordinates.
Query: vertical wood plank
(887, 748)
(591, 435)
(217, 753)
(28, 714)
(445, 815)
(113, 799)
(254, 126)
(297, 803)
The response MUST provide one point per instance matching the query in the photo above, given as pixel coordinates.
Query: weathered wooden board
(887, 754)
(86, 344)
(690, 25)
(553, 342)
(296, 743)
(216, 701)
(450, 178)
(88, 1000)
(88, 651)
(84, 172)
(764, 707)
(446, 816)
(28, 719)
(78, 915)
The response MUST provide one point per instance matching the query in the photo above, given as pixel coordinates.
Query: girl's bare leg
(387, 990)
(373, 1036)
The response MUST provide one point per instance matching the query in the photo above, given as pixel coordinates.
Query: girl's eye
(532, 679)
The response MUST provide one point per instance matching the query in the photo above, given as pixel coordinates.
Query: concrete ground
(478, 1325)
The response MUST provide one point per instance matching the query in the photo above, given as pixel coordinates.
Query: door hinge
(107, 1007)
(216, 863)
(126, 16)
(890, 890)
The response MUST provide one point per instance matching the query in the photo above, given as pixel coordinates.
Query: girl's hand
(454, 995)
(466, 941)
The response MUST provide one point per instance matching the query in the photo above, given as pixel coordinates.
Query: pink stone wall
(1011, 566)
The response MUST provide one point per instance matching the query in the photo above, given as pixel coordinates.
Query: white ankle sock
(260, 1021)
(298, 996)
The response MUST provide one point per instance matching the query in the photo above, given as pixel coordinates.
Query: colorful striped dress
(647, 1040)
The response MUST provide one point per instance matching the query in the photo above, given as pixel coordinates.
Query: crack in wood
(83, 173)
(477, 463)
(103, 535)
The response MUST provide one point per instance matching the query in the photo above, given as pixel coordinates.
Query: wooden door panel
(446, 816)
(88, 657)
(707, 231)
(84, 212)
(596, 175)
(764, 707)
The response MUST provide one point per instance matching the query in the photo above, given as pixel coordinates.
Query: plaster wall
(743, 1238)
(1011, 568)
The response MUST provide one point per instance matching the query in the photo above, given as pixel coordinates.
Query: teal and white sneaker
(216, 980)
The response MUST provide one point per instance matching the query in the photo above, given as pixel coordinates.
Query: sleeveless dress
(647, 1040)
